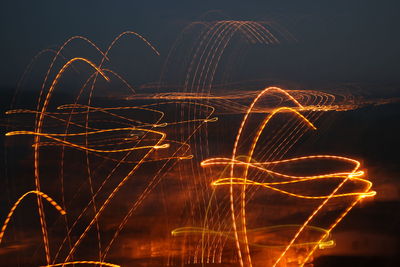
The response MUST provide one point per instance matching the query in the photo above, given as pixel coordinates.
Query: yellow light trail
(326, 243)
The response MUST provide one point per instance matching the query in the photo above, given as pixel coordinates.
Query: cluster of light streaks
(132, 143)
(240, 177)
(167, 133)
(209, 210)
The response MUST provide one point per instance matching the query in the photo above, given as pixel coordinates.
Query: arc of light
(109, 49)
(265, 91)
(28, 67)
(253, 146)
(39, 120)
(133, 33)
(223, 35)
(59, 52)
(11, 212)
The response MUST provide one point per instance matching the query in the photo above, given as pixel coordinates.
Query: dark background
(337, 40)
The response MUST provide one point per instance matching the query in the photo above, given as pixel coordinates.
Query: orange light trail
(38, 193)
(117, 140)
(255, 140)
(100, 263)
(60, 138)
(355, 175)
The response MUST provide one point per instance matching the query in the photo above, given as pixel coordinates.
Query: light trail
(100, 263)
(354, 174)
(325, 243)
(166, 134)
(38, 193)
(59, 139)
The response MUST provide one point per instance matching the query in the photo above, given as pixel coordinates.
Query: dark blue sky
(338, 40)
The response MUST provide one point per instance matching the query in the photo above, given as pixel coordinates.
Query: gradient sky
(338, 40)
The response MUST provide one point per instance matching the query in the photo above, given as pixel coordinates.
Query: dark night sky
(338, 40)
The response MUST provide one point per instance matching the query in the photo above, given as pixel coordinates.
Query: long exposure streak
(217, 160)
